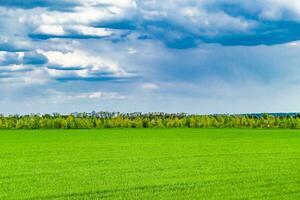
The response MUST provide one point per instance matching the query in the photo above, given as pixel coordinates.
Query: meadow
(150, 164)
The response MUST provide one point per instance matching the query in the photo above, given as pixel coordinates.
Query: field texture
(150, 164)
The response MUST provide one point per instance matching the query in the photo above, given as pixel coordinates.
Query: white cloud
(97, 95)
(80, 64)
(150, 86)
(79, 58)
(100, 95)
(24, 75)
(132, 51)
(278, 9)
(294, 44)
(194, 16)
(80, 30)
(51, 29)
(85, 30)
(82, 15)
(117, 3)
(189, 15)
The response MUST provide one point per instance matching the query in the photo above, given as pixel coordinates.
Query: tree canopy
(146, 120)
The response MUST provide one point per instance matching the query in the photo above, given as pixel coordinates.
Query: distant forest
(100, 120)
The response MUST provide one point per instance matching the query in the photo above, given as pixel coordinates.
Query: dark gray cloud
(229, 23)
(63, 5)
(96, 77)
(11, 47)
(9, 59)
(22, 58)
(33, 58)
(179, 25)
(41, 36)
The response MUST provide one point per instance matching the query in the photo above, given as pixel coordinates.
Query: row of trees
(150, 120)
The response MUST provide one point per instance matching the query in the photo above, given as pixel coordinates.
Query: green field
(150, 164)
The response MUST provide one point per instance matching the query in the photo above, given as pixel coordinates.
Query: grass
(150, 164)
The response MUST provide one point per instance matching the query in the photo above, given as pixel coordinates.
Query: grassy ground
(150, 164)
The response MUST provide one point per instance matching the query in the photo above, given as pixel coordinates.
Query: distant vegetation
(150, 120)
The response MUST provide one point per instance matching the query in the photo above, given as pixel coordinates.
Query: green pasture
(150, 164)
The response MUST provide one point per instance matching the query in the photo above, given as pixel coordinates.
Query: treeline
(151, 120)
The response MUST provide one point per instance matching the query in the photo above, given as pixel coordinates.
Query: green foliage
(151, 120)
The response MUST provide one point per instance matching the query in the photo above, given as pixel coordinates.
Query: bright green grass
(150, 164)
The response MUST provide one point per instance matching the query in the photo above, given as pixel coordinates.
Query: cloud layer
(172, 55)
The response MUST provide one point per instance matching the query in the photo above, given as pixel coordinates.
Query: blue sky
(208, 56)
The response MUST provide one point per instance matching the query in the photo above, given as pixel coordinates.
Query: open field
(150, 164)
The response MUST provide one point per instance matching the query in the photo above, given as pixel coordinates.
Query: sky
(193, 56)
